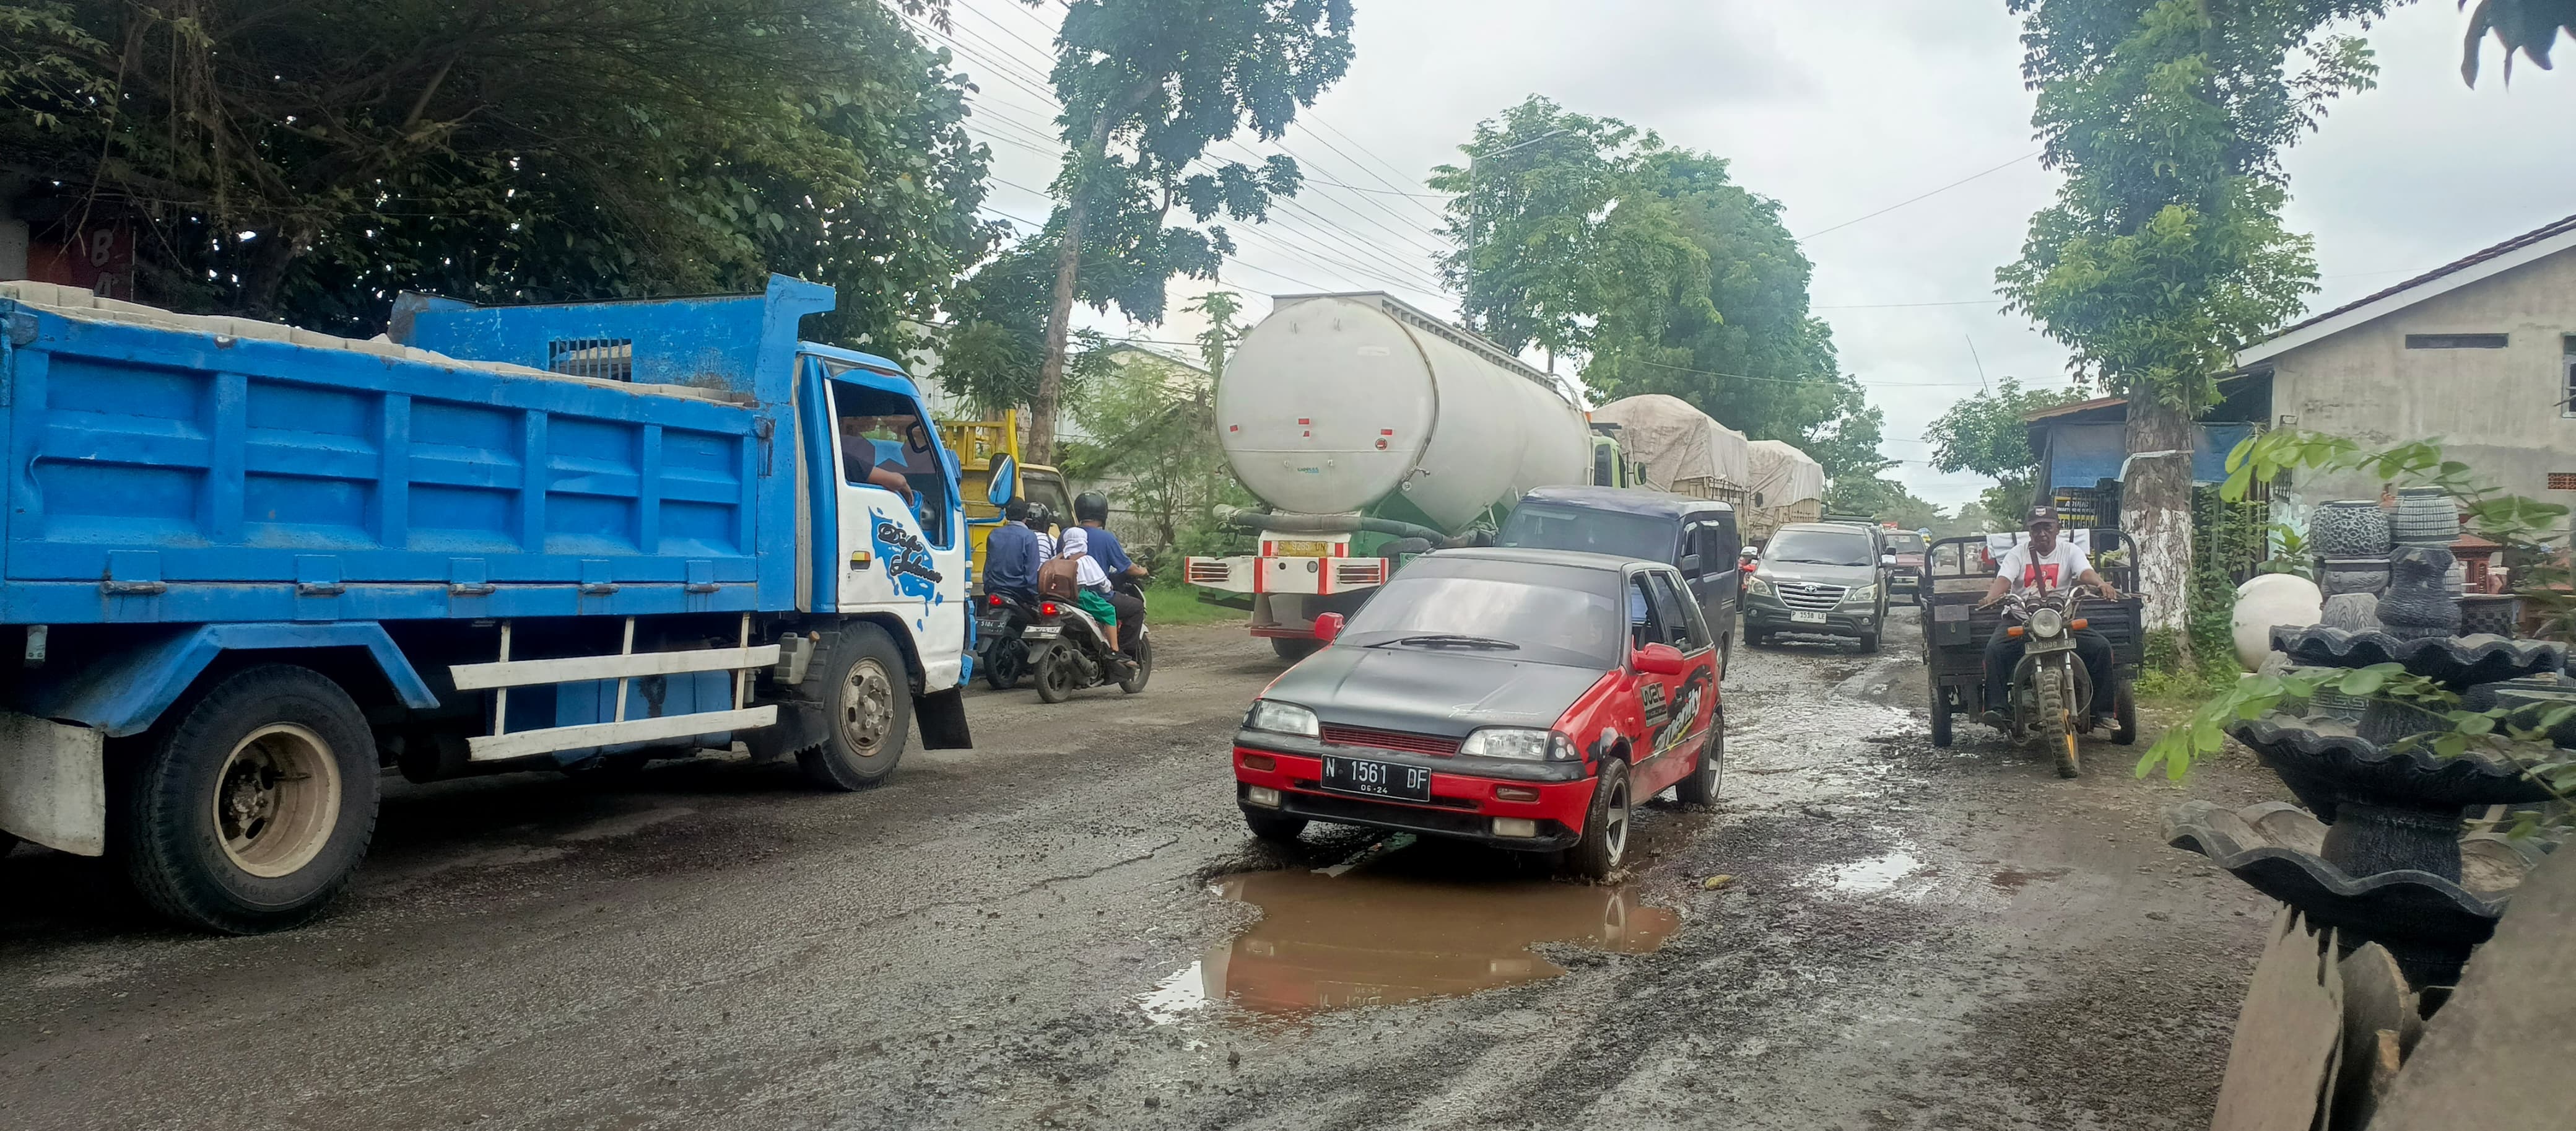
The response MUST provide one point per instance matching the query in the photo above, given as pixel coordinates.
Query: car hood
(1426, 692)
(1804, 573)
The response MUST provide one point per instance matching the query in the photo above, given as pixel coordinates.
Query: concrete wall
(2498, 410)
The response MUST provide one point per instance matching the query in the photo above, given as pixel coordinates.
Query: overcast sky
(1837, 110)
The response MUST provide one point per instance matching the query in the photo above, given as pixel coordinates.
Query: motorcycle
(1002, 652)
(2051, 692)
(1068, 652)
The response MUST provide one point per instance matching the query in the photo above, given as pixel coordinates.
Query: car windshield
(1905, 543)
(1555, 526)
(1820, 547)
(1522, 618)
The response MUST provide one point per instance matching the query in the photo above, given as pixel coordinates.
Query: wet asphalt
(1058, 929)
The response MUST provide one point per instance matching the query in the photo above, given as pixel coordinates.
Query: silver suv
(1820, 577)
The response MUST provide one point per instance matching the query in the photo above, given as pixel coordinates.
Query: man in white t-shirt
(2043, 564)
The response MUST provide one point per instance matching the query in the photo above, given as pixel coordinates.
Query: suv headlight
(1862, 593)
(1757, 586)
(1281, 718)
(1525, 743)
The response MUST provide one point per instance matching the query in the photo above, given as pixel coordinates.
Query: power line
(1924, 196)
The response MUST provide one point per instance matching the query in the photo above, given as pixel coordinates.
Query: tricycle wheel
(1055, 676)
(1605, 825)
(1940, 716)
(1144, 670)
(1274, 827)
(252, 811)
(867, 712)
(2124, 716)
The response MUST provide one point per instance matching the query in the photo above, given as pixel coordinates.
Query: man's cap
(2040, 514)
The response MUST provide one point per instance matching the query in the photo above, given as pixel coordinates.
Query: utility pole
(1467, 284)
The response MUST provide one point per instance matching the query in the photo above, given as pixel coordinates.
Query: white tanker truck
(1372, 431)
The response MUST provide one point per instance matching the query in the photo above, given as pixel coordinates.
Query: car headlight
(1862, 593)
(1281, 718)
(1524, 743)
(1757, 586)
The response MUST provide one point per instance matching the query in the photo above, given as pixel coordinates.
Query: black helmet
(1039, 515)
(1091, 506)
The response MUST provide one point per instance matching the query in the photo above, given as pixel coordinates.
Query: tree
(1586, 236)
(1147, 86)
(1989, 434)
(1883, 499)
(2165, 250)
(285, 159)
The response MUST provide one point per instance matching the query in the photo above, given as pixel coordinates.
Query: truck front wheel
(253, 810)
(867, 709)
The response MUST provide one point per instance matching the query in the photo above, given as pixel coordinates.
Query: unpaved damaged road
(1049, 931)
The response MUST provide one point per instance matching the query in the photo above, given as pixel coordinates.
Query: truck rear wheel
(1294, 648)
(867, 712)
(252, 811)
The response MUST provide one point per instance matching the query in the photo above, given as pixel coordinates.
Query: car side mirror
(1327, 627)
(1690, 565)
(1657, 659)
(1006, 481)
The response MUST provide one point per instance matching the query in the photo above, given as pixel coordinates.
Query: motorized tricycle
(2051, 693)
(1068, 651)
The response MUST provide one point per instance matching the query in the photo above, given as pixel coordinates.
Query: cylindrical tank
(1335, 402)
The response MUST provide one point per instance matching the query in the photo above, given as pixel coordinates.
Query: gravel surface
(1036, 933)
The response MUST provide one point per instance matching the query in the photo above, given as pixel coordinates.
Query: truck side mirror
(1005, 484)
(1327, 627)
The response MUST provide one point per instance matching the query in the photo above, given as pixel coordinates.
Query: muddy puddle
(1334, 942)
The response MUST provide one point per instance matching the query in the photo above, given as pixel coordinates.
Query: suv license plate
(1806, 618)
(1377, 779)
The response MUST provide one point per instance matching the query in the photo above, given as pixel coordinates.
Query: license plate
(992, 624)
(1377, 779)
(1041, 632)
(1303, 549)
(1806, 618)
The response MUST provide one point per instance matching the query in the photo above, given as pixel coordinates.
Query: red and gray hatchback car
(1527, 699)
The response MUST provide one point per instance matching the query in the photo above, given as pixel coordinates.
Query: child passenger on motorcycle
(2039, 566)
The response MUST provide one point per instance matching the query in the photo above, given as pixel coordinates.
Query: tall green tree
(1987, 434)
(2165, 251)
(1147, 86)
(1589, 237)
(300, 160)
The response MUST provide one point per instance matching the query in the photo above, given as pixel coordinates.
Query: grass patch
(1174, 602)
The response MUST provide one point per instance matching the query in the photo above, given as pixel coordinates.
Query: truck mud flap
(942, 715)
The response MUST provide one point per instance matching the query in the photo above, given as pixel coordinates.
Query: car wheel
(1869, 642)
(867, 712)
(1605, 825)
(1725, 653)
(1293, 649)
(1276, 828)
(1701, 787)
(253, 810)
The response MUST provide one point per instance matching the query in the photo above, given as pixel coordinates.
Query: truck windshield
(1904, 543)
(1524, 619)
(1819, 547)
(1555, 526)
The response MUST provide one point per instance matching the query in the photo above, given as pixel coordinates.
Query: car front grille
(1432, 744)
(1810, 598)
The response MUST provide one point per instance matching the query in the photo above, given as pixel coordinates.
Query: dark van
(1695, 536)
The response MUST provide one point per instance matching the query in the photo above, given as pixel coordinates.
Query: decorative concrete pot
(2349, 528)
(2352, 575)
(2426, 516)
(2416, 600)
(2351, 612)
(2461, 662)
(2490, 614)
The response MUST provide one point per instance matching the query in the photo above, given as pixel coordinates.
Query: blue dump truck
(252, 567)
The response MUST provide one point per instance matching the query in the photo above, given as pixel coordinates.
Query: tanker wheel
(1294, 648)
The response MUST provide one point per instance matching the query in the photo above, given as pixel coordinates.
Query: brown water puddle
(1327, 942)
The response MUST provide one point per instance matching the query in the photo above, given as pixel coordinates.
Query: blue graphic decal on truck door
(907, 559)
